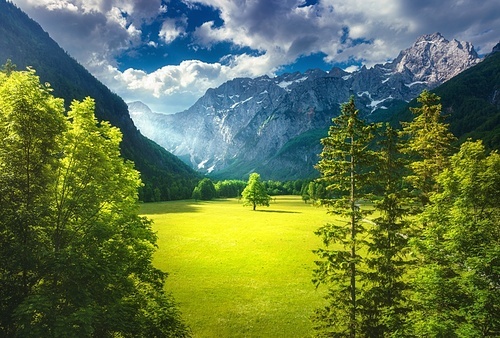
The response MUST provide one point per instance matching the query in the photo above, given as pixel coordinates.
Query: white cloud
(371, 31)
(170, 89)
(171, 29)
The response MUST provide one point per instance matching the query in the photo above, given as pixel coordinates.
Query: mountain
(273, 125)
(24, 42)
(471, 102)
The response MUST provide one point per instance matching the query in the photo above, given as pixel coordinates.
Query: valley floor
(237, 272)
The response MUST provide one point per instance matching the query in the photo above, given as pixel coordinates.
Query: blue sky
(168, 53)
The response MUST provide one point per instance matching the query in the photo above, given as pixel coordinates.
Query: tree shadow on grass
(159, 208)
(280, 211)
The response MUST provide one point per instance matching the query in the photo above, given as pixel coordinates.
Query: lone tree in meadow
(255, 192)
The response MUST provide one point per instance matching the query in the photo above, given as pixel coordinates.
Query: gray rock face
(273, 125)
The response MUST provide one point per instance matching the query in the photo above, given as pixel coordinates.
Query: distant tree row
(413, 248)
(234, 188)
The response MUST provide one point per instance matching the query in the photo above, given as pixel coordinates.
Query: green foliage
(31, 122)
(428, 144)
(346, 166)
(255, 192)
(230, 188)
(78, 257)
(205, 190)
(26, 44)
(457, 289)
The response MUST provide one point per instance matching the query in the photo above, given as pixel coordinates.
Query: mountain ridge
(261, 124)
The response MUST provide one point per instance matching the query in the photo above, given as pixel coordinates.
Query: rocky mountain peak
(273, 125)
(496, 48)
(433, 59)
(138, 107)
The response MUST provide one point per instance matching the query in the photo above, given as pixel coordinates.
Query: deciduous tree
(205, 190)
(31, 125)
(255, 192)
(79, 255)
(457, 285)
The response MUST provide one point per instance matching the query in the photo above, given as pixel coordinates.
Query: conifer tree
(428, 143)
(385, 306)
(346, 165)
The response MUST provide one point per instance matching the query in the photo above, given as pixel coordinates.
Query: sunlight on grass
(237, 272)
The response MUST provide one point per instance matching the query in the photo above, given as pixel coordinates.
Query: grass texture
(237, 272)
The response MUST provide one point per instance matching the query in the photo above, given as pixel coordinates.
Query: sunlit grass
(237, 272)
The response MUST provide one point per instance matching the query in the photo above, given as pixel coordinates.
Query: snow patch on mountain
(259, 123)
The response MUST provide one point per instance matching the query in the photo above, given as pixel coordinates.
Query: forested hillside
(471, 103)
(26, 44)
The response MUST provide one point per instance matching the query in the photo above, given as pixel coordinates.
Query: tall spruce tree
(384, 305)
(428, 143)
(347, 167)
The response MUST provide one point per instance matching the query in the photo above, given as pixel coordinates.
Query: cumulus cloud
(174, 88)
(278, 31)
(171, 29)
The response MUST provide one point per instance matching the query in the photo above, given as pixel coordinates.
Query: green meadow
(237, 272)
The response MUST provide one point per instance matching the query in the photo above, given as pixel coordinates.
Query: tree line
(413, 248)
(309, 189)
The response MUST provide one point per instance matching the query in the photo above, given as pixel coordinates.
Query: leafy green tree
(346, 166)
(79, 255)
(205, 190)
(31, 122)
(457, 285)
(196, 194)
(428, 142)
(230, 188)
(385, 306)
(255, 192)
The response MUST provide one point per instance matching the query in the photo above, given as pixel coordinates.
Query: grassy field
(237, 272)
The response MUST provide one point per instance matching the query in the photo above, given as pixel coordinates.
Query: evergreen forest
(413, 248)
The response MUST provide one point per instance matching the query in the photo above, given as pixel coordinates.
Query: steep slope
(24, 42)
(471, 102)
(273, 125)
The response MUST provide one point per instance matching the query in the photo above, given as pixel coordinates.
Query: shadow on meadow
(280, 211)
(159, 208)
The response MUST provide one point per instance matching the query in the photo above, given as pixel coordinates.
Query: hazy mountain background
(269, 125)
(273, 125)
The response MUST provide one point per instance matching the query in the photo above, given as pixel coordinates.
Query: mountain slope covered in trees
(24, 42)
(471, 103)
